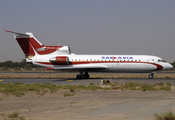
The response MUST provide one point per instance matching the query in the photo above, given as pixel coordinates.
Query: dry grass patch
(12, 116)
(143, 87)
(68, 94)
(19, 89)
(164, 116)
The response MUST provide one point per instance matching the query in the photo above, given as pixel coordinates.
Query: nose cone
(167, 66)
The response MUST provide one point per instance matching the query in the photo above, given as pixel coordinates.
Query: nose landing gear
(151, 76)
(83, 76)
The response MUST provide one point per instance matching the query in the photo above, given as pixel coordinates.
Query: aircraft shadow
(66, 79)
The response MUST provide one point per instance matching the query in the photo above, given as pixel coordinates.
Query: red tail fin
(27, 42)
(31, 46)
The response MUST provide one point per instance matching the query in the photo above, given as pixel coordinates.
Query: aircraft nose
(167, 66)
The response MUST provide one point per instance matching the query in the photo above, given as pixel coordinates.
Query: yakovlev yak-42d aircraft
(61, 58)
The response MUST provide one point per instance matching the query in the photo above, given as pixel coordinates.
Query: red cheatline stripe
(159, 67)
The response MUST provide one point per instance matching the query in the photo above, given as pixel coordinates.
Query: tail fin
(31, 46)
(28, 43)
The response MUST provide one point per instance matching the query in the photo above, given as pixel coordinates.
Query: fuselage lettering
(107, 57)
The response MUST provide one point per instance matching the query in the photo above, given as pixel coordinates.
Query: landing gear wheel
(150, 76)
(86, 76)
(83, 76)
(78, 77)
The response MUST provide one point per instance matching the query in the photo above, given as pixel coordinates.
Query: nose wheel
(83, 76)
(151, 76)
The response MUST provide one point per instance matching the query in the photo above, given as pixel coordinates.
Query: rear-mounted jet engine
(63, 60)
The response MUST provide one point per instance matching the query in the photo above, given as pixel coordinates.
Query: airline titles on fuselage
(124, 57)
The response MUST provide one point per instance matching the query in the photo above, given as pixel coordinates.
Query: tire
(150, 76)
(78, 77)
(87, 76)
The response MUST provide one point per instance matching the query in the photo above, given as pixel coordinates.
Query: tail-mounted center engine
(64, 50)
(63, 60)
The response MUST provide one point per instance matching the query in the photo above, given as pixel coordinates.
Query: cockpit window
(161, 61)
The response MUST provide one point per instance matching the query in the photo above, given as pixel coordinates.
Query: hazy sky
(91, 26)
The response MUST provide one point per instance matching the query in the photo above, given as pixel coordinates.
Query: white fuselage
(106, 63)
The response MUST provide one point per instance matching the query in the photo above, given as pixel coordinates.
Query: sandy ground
(88, 105)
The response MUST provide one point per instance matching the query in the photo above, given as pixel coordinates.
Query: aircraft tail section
(28, 43)
(31, 46)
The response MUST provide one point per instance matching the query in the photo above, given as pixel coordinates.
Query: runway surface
(74, 81)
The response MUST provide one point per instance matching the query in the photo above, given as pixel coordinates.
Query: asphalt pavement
(74, 81)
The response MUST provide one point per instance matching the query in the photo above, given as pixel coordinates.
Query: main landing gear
(151, 76)
(82, 76)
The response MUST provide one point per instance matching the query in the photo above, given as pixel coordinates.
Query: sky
(131, 27)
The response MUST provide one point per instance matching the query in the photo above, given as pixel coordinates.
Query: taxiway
(74, 81)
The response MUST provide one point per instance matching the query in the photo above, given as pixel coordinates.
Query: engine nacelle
(63, 60)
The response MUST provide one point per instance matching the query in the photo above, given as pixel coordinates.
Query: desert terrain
(88, 105)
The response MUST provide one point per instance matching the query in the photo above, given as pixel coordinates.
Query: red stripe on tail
(26, 46)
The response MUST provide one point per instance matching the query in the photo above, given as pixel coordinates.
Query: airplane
(61, 58)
